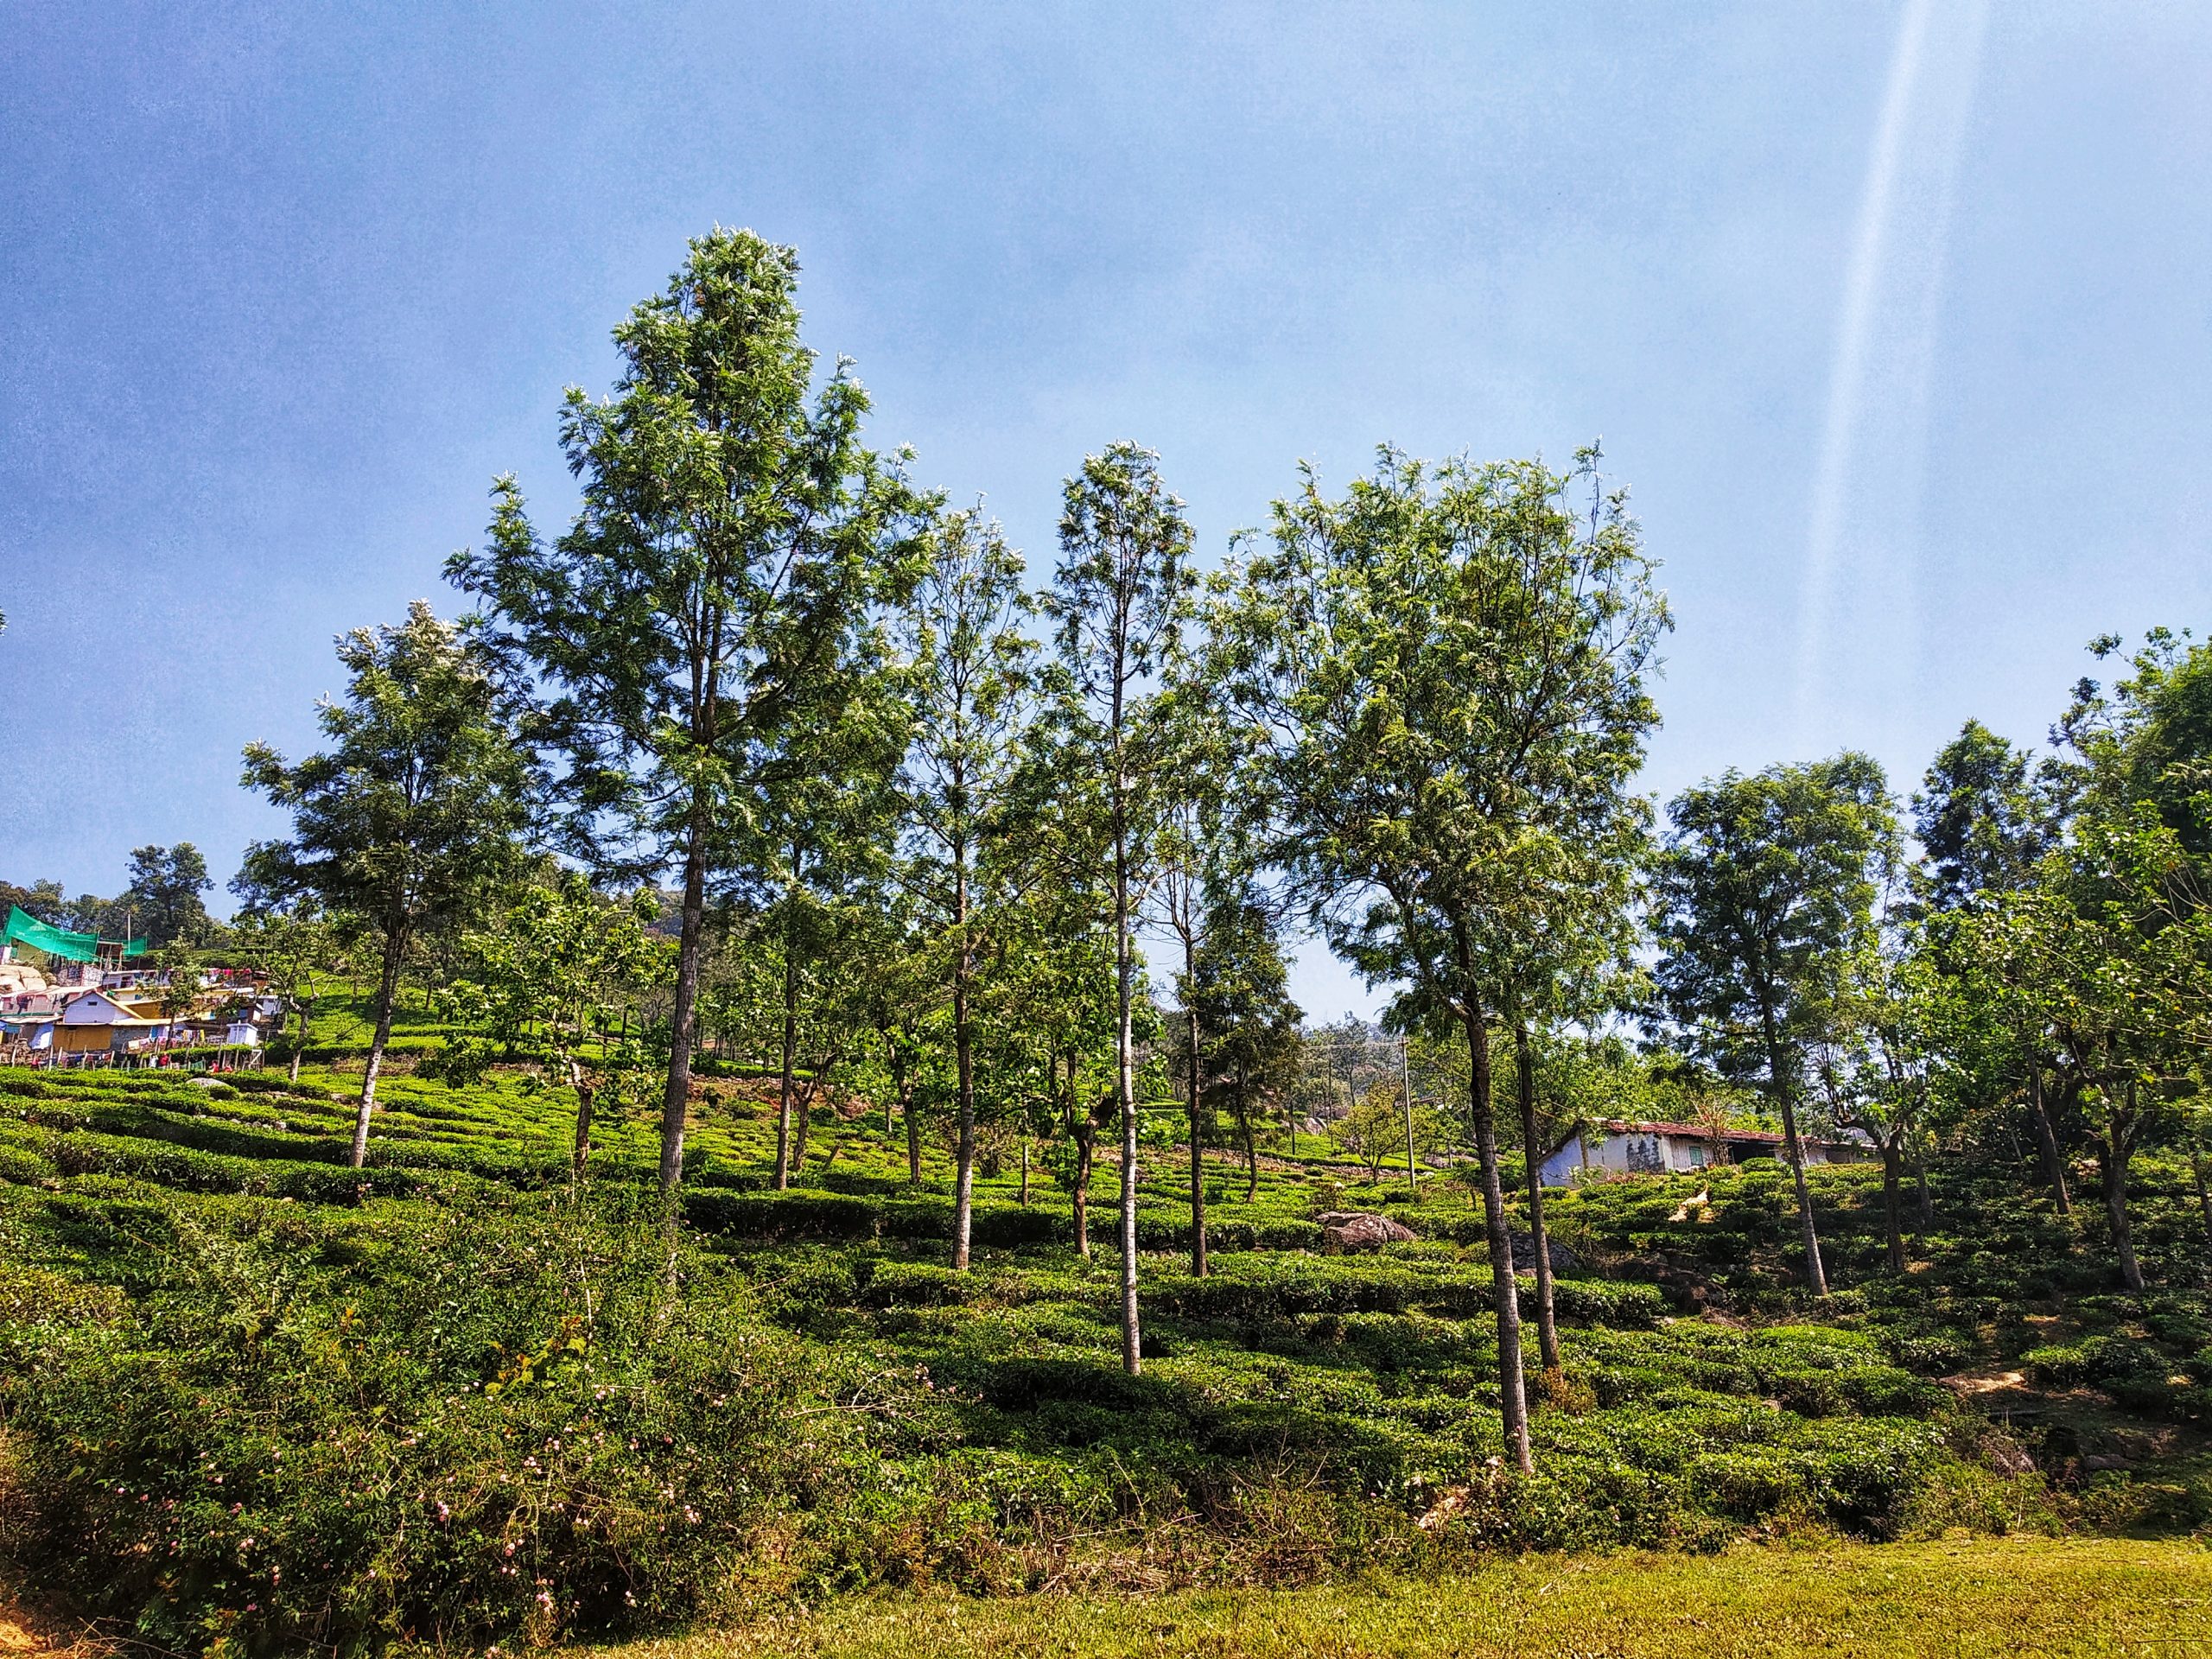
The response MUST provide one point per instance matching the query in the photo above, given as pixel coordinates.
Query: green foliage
(200, 1288)
(1445, 672)
(706, 630)
(341, 1434)
(412, 810)
(163, 901)
(1984, 816)
(1766, 883)
(265, 1389)
(410, 816)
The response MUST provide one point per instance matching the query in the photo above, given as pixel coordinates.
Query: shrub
(2096, 1360)
(474, 1442)
(781, 1215)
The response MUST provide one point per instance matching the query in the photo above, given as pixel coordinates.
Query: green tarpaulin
(24, 929)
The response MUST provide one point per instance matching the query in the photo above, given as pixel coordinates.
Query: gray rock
(1345, 1229)
(1524, 1254)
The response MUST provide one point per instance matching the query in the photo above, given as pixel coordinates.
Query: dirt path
(24, 1633)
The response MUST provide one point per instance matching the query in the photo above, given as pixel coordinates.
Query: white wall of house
(1605, 1154)
(1601, 1154)
(94, 1009)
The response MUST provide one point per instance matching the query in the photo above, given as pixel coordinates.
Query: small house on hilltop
(1610, 1148)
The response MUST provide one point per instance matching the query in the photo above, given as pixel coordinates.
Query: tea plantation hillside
(252, 1397)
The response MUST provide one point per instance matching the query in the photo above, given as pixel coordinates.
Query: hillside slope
(252, 1397)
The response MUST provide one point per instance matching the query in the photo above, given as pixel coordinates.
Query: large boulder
(1564, 1261)
(1351, 1229)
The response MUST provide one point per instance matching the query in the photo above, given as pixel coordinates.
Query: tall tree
(294, 947)
(1052, 989)
(2147, 737)
(1241, 1005)
(900, 1005)
(1449, 669)
(162, 901)
(1871, 1065)
(1118, 597)
(826, 844)
(410, 816)
(1566, 960)
(1766, 887)
(1202, 856)
(969, 678)
(2109, 952)
(715, 600)
(1984, 813)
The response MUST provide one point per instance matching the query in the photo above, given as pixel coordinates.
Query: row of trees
(161, 903)
(915, 818)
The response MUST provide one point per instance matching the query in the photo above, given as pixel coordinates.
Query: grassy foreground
(1955, 1599)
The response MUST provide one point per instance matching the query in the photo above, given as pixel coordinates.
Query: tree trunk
(1406, 1083)
(1512, 1392)
(1197, 1139)
(1125, 1083)
(584, 1091)
(803, 1111)
(1085, 1160)
(2114, 1151)
(2053, 1161)
(395, 947)
(683, 1014)
(964, 1183)
(1025, 1171)
(306, 1010)
(2123, 1237)
(1251, 1157)
(783, 1176)
(1893, 1200)
(2203, 1193)
(913, 1139)
(1778, 1084)
(1524, 1067)
(1084, 1136)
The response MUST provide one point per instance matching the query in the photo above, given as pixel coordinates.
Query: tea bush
(463, 1432)
(397, 1374)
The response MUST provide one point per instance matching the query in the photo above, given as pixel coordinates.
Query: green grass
(1947, 1600)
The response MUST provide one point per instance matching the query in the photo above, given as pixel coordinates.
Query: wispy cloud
(1858, 623)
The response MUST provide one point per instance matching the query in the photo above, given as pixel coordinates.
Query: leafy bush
(2095, 1359)
(483, 1431)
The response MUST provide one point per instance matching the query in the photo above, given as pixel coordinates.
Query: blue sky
(1895, 319)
